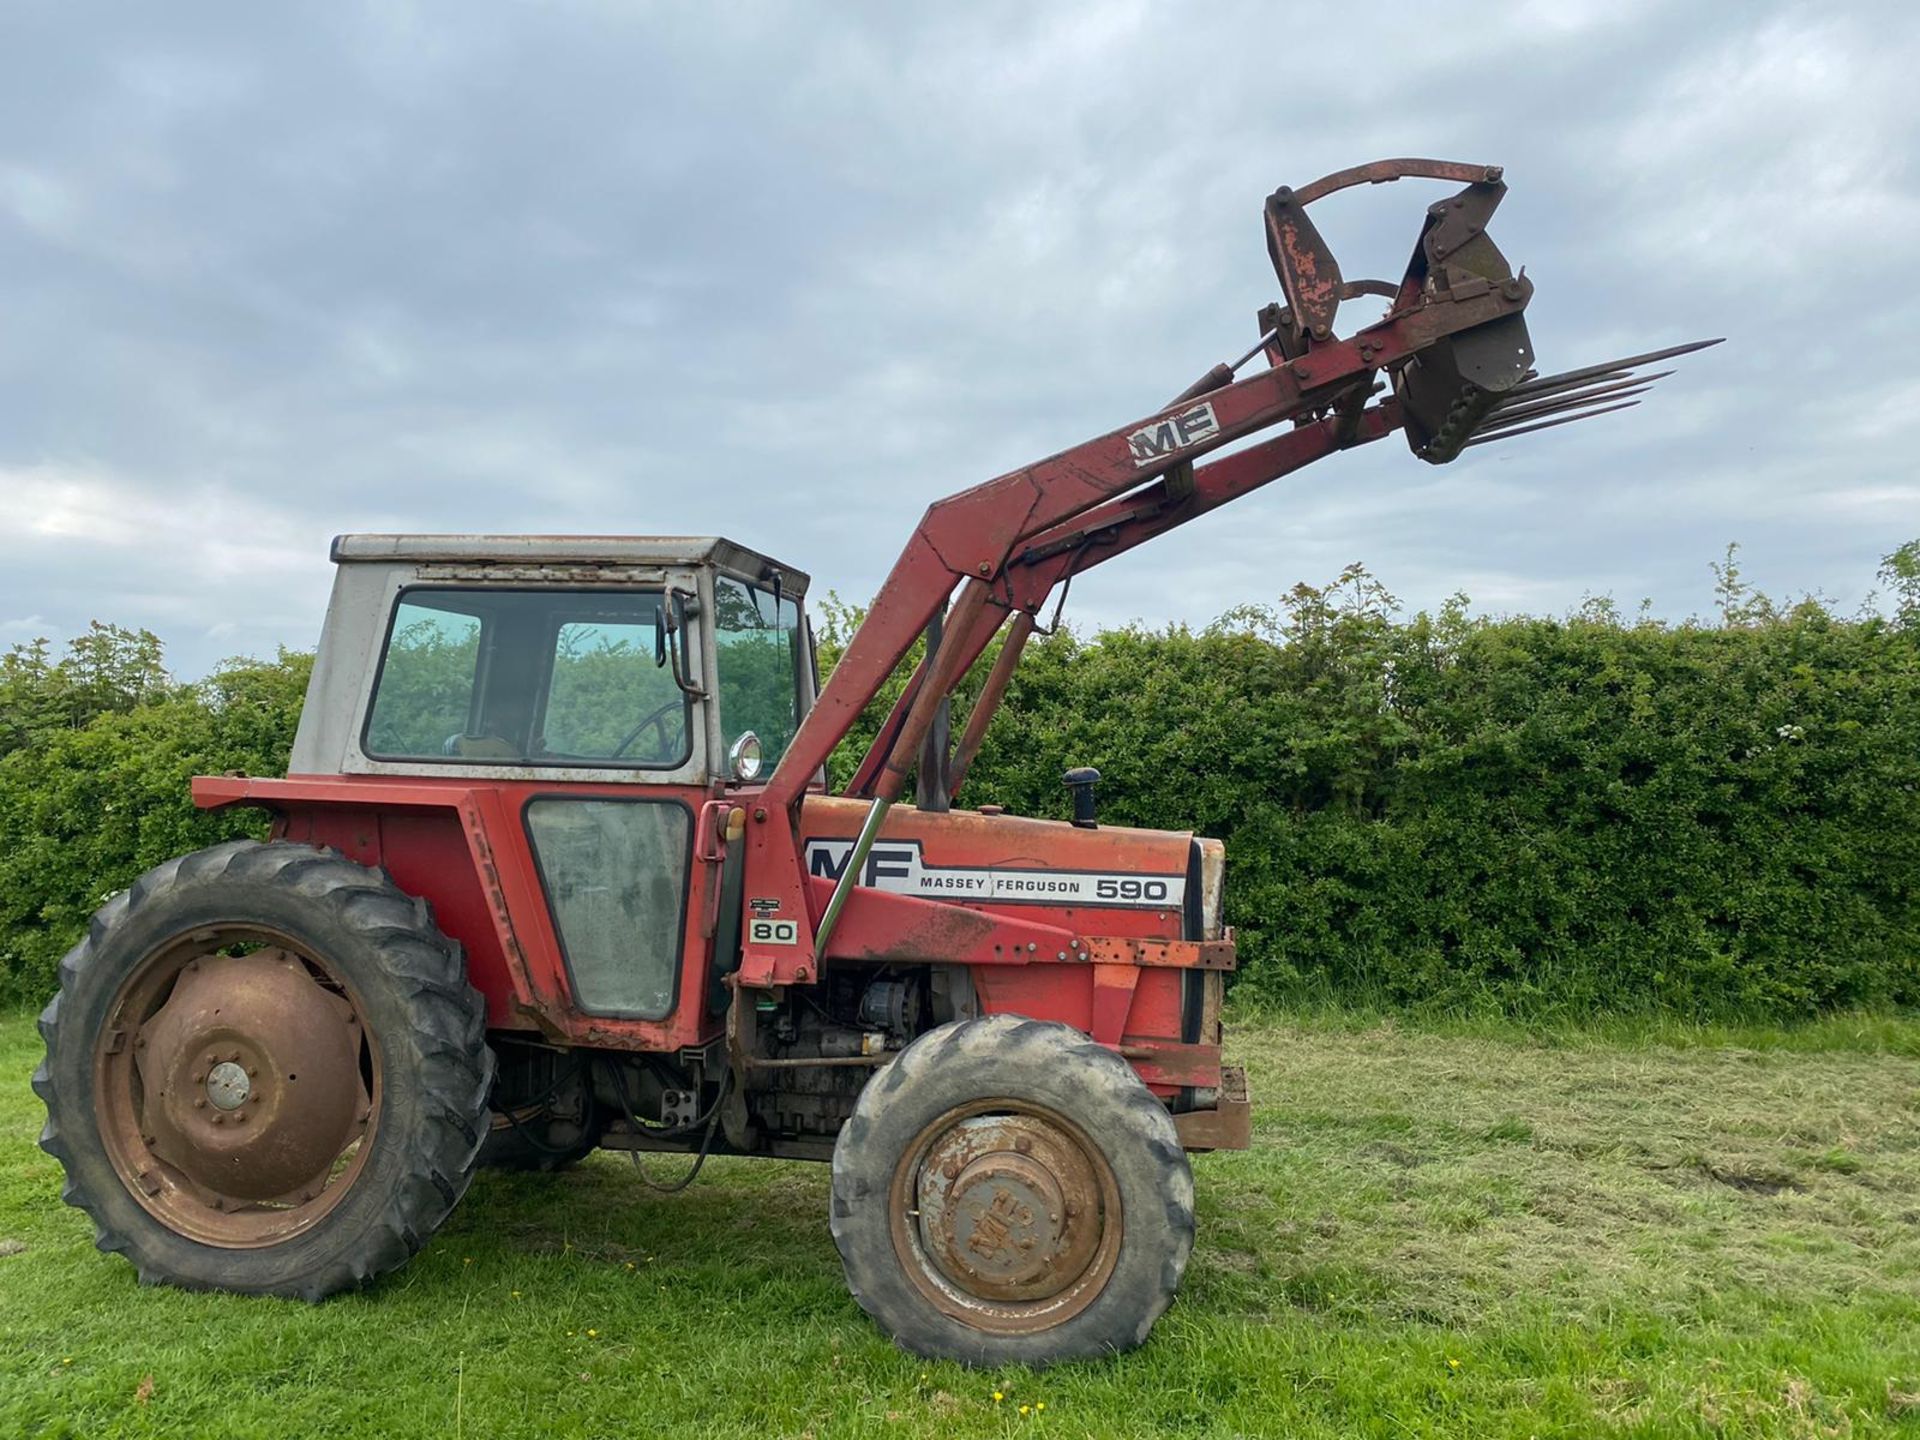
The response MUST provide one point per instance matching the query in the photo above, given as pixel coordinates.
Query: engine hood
(1144, 882)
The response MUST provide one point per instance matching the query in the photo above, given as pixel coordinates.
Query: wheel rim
(1006, 1216)
(235, 1086)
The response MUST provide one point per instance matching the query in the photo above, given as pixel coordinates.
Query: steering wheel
(657, 717)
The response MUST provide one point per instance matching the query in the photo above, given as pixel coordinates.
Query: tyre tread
(445, 1021)
(932, 1073)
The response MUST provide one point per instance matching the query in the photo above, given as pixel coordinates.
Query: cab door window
(531, 677)
(615, 876)
(608, 699)
(429, 680)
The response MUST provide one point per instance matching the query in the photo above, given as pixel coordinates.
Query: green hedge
(1538, 815)
(96, 752)
(1573, 815)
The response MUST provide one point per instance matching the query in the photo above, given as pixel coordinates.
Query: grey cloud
(268, 273)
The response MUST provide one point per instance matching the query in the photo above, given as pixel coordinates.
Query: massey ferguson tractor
(558, 865)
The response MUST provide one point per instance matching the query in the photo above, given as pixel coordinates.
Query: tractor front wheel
(1009, 1192)
(265, 1072)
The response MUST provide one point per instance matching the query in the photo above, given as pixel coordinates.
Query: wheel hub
(1009, 1207)
(228, 1086)
(250, 1078)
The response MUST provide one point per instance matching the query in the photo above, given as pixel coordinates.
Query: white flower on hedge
(1791, 732)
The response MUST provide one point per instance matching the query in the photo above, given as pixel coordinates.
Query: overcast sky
(273, 272)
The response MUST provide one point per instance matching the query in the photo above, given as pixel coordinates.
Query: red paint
(461, 844)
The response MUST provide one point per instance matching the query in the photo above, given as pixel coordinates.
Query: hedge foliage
(96, 751)
(1589, 813)
(1579, 814)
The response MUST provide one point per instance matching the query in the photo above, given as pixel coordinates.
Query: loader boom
(1452, 344)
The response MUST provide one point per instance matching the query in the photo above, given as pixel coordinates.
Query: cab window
(761, 659)
(530, 677)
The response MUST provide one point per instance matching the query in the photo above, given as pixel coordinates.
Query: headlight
(743, 756)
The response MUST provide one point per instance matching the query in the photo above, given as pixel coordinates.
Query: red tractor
(557, 866)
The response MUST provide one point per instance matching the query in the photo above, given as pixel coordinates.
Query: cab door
(573, 715)
(616, 873)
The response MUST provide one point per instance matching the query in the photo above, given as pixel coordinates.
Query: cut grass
(1462, 1228)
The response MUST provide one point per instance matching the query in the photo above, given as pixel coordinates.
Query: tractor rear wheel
(1010, 1192)
(265, 1072)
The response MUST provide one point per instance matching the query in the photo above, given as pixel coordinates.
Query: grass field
(1467, 1231)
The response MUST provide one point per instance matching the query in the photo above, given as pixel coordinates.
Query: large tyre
(265, 1072)
(1009, 1192)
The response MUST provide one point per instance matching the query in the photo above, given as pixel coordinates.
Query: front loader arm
(1453, 345)
(1055, 556)
(970, 537)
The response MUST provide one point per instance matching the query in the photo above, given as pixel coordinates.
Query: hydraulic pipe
(856, 862)
(942, 671)
(991, 694)
(973, 646)
(932, 786)
(868, 771)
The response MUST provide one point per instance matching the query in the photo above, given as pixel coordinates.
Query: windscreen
(762, 654)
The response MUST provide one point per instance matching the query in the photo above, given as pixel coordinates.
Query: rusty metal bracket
(1228, 1125)
(1309, 274)
(1152, 954)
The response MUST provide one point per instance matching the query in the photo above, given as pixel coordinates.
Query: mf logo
(884, 862)
(1153, 443)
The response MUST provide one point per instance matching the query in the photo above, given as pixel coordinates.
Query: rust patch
(1006, 1216)
(244, 1109)
(1229, 1125)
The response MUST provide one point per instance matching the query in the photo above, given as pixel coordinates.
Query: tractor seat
(481, 747)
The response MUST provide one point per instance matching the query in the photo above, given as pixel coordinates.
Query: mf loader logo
(1153, 443)
(898, 866)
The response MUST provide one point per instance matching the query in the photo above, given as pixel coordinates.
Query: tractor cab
(670, 661)
(582, 699)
